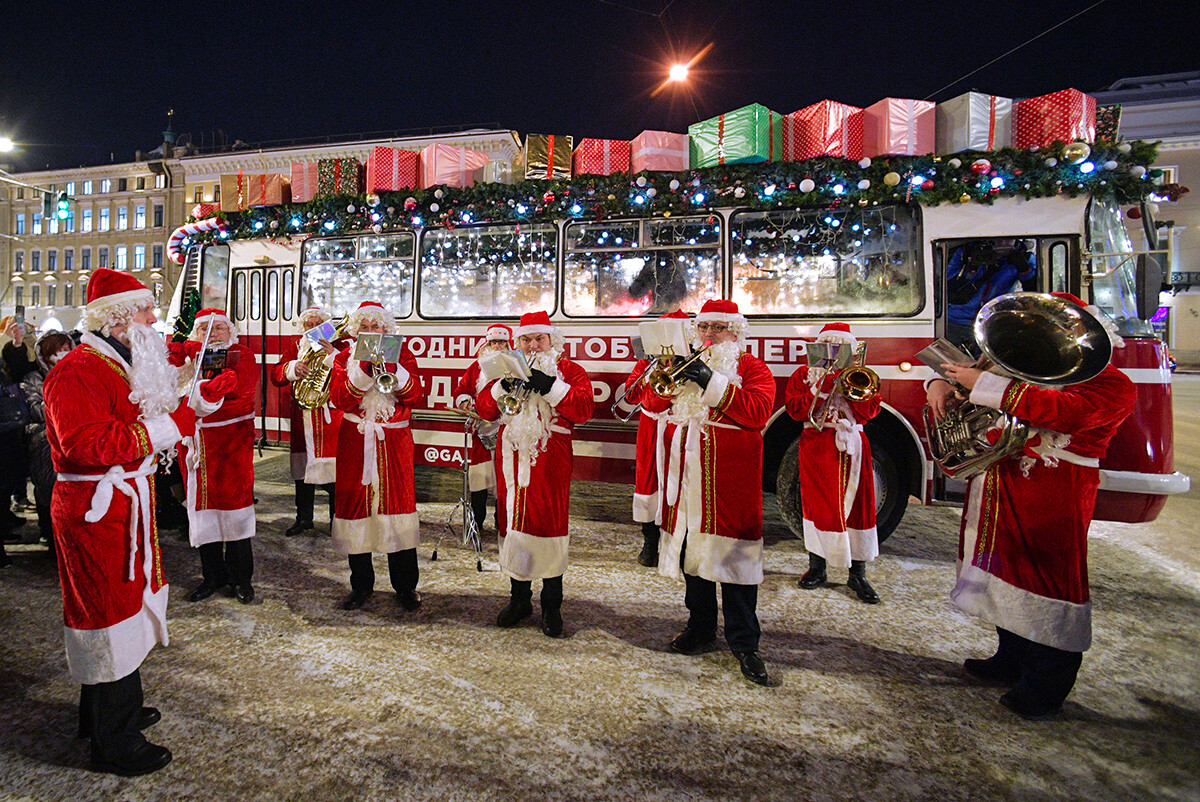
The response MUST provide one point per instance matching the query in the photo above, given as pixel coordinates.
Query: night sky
(91, 83)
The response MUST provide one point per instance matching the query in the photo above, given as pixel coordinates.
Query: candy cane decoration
(175, 244)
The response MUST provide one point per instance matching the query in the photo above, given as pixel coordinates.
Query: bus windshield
(1114, 292)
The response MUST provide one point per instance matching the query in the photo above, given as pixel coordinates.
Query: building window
(157, 256)
(86, 223)
(122, 184)
(50, 293)
(139, 257)
(68, 294)
(85, 259)
(102, 258)
(122, 218)
(122, 258)
(105, 185)
(70, 222)
(19, 228)
(69, 259)
(35, 293)
(217, 193)
(70, 190)
(37, 223)
(51, 261)
(19, 262)
(20, 193)
(141, 182)
(158, 215)
(139, 216)
(52, 225)
(104, 220)
(160, 181)
(35, 261)
(198, 195)
(52, 189)
(20, 296)
(87, 187)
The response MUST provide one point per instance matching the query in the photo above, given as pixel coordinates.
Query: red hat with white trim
(677, 314)
(113, 296)
(210, 315)
(716, 310)
(498, 331)
(314, 310)
(837, 331)
(370, 310)
(534, 323)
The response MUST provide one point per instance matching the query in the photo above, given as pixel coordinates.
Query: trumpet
(512, 401)
(857, 382)
(663, 380)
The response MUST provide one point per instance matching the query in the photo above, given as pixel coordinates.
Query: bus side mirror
(1148, 282)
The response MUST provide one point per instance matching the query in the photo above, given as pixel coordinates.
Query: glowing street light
(7, 145)
(678, 73)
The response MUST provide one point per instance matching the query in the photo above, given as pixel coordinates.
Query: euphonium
(312, 391)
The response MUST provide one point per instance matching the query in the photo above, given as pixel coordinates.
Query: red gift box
(450, 165)
(304, 181)
(659, 150)
(899, 127)
(827, 128)
(391, 169)
(601, 157)
(1066, 116)
(203, 210)
(240, 191)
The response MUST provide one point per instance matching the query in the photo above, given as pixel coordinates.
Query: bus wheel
(891, 490)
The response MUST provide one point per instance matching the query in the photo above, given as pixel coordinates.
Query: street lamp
(7, 145)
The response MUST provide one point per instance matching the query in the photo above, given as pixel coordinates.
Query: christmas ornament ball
(927, 184)
(892, 179)
(980, 166)
(372, 199)
(1076, 152)
(955, 163)
(864, 184)
(1137, 171)
(864, 162)
(808, 185)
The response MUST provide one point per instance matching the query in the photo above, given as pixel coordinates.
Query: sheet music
(504, 365)
(325, 331)
(665, 336)
(373, 347)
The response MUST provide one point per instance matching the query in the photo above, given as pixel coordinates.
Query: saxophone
(312, 391)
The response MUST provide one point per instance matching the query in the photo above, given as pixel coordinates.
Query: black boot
(858, 583)
(305, 495)
(814, 577)
(520, 605)
(650, 535)
(479, 507)
(552, 598)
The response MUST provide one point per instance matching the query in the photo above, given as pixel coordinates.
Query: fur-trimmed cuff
(402, 378)
(715, 390)
(358, 376)
(497, 390)
(162, 431)
(989, 390)
(558, 392)
(459, 399)
(203, 406)
(290, 371)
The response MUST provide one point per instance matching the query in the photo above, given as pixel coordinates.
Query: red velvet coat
(374, 496)
(114, 590)
(314, 432)
(713, 492)
(481, 473)
(1023, 542)
(650, 439)
(534, 518)
(837, 487)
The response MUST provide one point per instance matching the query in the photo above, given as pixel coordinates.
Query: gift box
(827, 128)
(498, 171)
(1108, 122)
(973, 121)
(391, 169)
(339, 177)
(659, 150)
(1065, 116)
(304, 181)
(899, 127)
(203, 210)
(547, 156)
(747, 135)
(450, 165)
(601, 157)
(241, 191)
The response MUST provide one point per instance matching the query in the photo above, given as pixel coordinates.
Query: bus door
(262, 306)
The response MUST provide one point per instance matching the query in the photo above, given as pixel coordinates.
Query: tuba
(312, 391)
(1030, 336)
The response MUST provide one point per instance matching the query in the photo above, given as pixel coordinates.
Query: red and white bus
(881, 268)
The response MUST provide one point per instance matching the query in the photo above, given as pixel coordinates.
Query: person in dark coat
(51, 347)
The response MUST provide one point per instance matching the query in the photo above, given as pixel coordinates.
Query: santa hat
(370, 310)
(498, 331)
(534, 323)
(211, 315)
(315, 310)
(837, 331)
(677, 314)
(113, 297)
(1105, 321)
(719, 311)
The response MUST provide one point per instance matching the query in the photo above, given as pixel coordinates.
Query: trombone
(625, 390)
(857, 382)
(663, 380)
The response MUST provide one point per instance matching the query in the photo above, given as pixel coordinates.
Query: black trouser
(230, 563)
(479, 506)
(402, 569)
(1047, 674)
(108, 715)
(306, 496)
(740, 602)
(552, 591)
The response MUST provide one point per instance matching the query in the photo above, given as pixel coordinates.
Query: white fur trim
(402, 376)
(202, 405)
(840, 548)
(377, 534)
(497, 390)
(459, 399)
(989, 390)
(358, 377)
(843, 336)
(210, 318)
(289, 371)
(112, 310)
(108, 654)
(320, 471)
(558, 392)
(715, 390)
(163, 432)
(219, 526)
(724, 559)
(482, 476)
(540, 328)
(645, 507)
(720, 317)
(524, 557)
(1052, 622)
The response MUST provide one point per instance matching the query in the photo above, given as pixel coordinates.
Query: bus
(881, 267)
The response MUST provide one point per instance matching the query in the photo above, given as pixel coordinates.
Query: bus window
(214, 277)
(273, 295)
(492, 271)
(239, 295)
(340, 273)
(1058, 268)
(289, 289)
(256, 295)
(1114, 292)
(646, 267)
(827, 263)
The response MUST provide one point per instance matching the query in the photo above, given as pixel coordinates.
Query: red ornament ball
(927, 184)
(1134, 214)
(980, 166)
(410, 204)
(548, 197)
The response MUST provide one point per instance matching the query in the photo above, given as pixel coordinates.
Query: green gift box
(747, 135)
(339, 177)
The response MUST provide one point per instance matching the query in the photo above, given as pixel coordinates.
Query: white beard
(528, 431)
(378, 407)
(689, 406)
(151, 377)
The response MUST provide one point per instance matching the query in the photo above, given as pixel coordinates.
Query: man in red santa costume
(533, 469)
(1022, 553)
(313, 431)
(376, 497)
(218, 460)
(111, 407)
(481, 473)
(712, 497)
(651, 427)
(837, 485)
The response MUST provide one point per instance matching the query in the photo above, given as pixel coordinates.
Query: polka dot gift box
(1067, 116)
